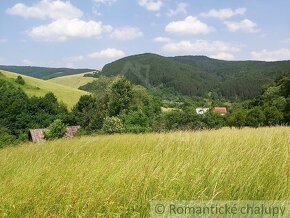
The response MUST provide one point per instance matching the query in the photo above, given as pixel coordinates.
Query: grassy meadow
(38, 87)
(119, 175)
(73, 81)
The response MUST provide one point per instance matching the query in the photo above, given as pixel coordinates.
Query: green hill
(43, 72)
(38, 87)
(197, 75)
(73, 81)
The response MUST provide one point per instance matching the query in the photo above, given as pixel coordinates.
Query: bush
(113, 125)
(136, 122)
(237, 118)
(273, 116)
(20, 80)
(6, 138)
(256, 117)
(56, 130)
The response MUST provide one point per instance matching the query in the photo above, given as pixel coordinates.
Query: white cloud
(181, 9)
(245, 25)
(216, 49)
(224, 13)
(191, 25)
(162, 39)
(223, 56)
(99, 58)
(53, 9)
(107, 53)
(151, 5)
(276, 55)
(61, 30)
(126, 33)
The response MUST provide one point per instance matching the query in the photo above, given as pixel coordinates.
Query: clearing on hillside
(38, 87)
(73, 81)
(117, 176)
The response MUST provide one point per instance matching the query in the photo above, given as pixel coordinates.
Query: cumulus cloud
(53, 9)
(180, 9)
(245, 25)
(126, 33)
(151, 5)
(200, 46)
(107, 53)
(61, 30)
(99, 58)
(215, 49)
(223, 56)
(99, 3)
(191, 25)
(224, 13)
(275, 55)
(162, 39)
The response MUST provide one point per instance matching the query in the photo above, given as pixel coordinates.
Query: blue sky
(91, 33)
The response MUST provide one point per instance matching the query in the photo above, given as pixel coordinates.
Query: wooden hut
(37, 135)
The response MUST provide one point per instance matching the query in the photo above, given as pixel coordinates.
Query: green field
(38, 87)
(73, 81)
(119, 175)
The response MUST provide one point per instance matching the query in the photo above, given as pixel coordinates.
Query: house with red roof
(221, 110)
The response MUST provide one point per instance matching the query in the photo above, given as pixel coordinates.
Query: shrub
(113, 125)
(20, 80)
(237, 118)
(56, 130)
(273, 116)
(256, 117)
(6, 138)
(136, 122)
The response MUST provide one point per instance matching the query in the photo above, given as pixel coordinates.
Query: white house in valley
(201, 110)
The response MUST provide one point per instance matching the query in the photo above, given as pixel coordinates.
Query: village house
(37, 135)
(201, 110)
(221, 110)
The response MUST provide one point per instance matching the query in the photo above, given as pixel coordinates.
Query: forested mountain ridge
(197, 75)
(43, 72)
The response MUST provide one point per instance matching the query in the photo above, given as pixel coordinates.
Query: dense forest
(43, 72)
(199, 75)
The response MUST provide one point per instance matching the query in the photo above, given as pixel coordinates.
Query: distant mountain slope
(38, 87)
(43, 72)
(73, 81)
(154, 70)
(197, 75)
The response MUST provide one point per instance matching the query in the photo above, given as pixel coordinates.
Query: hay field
(119, 175)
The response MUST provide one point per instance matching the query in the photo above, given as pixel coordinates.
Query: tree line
(118, 106)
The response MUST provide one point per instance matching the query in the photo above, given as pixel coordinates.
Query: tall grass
(118, 175)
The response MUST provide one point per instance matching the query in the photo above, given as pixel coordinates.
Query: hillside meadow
(119, 175)
(38, 87)
(73, 81)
